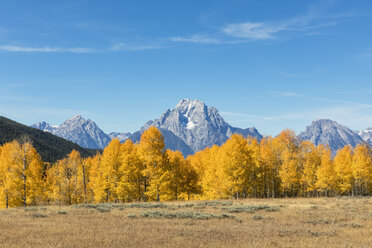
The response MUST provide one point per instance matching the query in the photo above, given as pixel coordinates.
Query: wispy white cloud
(9, 48)
(201, 39)
(313, 22)
(127, 47)
(250, 30)
(47, 49)
(270, 30)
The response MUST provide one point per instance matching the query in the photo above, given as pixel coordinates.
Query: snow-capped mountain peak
(121, 136)
(366, 135)
(196, 125)
(44, 126)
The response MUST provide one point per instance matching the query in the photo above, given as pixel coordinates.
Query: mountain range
(192, 126)
(50, 147)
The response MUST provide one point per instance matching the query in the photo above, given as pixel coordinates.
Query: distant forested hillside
(50, 147)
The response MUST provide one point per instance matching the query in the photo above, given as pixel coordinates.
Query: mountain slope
(366, 135)
(121, 136)
(49, 146)
(328, 132)
(197, 126)
(171, 141)
(83, 132)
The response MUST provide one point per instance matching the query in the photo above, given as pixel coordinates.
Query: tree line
(240, 168)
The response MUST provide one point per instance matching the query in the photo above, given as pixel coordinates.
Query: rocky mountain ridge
(192, 126)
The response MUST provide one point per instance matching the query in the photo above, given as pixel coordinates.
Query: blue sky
(269, 64)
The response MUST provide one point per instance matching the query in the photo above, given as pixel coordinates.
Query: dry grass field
(317, 222)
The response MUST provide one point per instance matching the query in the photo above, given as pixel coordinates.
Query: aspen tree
(151, 151)
(238, 166)
(270, 163)
(172, 180)
(214, 183)
(290, 169)
(110, 167)
(362, 169)
(10, 181)
(257, 177)
(131, 181)
(190, 180)
(326, 174)
(97, 181)
(344, 173)
(311, 162)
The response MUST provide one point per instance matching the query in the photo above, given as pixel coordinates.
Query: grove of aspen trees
(240, 168)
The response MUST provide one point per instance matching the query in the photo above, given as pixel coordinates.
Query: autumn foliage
(242, 167)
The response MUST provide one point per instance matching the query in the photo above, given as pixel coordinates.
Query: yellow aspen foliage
(35, 192)
(178, 178)
(343, 169)
(110, 167)
(290, 173)
(291, 168)
(78, 173)
(238, 166)
(96, 182)
(257, 171)
(20, 175)
(171, 180)
(362, 169)
(198, 165)
(326, 174)
(213, 183)
(64, 180)
(190, 180)
(270, 164)
(151, 152)
(10, 181)
(286, 140)
(86, 178)
(130, 186)
(311, 162)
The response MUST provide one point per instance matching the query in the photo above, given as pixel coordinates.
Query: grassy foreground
(318, 222)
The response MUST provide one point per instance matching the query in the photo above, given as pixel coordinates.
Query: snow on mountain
(44, 126)
(328, 132)
(195, 126)
(366, 135)
(171, 141)
(190, 127)
(85, 133)
(121, 136)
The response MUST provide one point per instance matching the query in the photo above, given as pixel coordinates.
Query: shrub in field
(250, 209)
(39, 215)
(122, 206)
(30, 209)
(132, 216)
(185, 215)
(257, 217)
(215, 203)
(104, 209)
